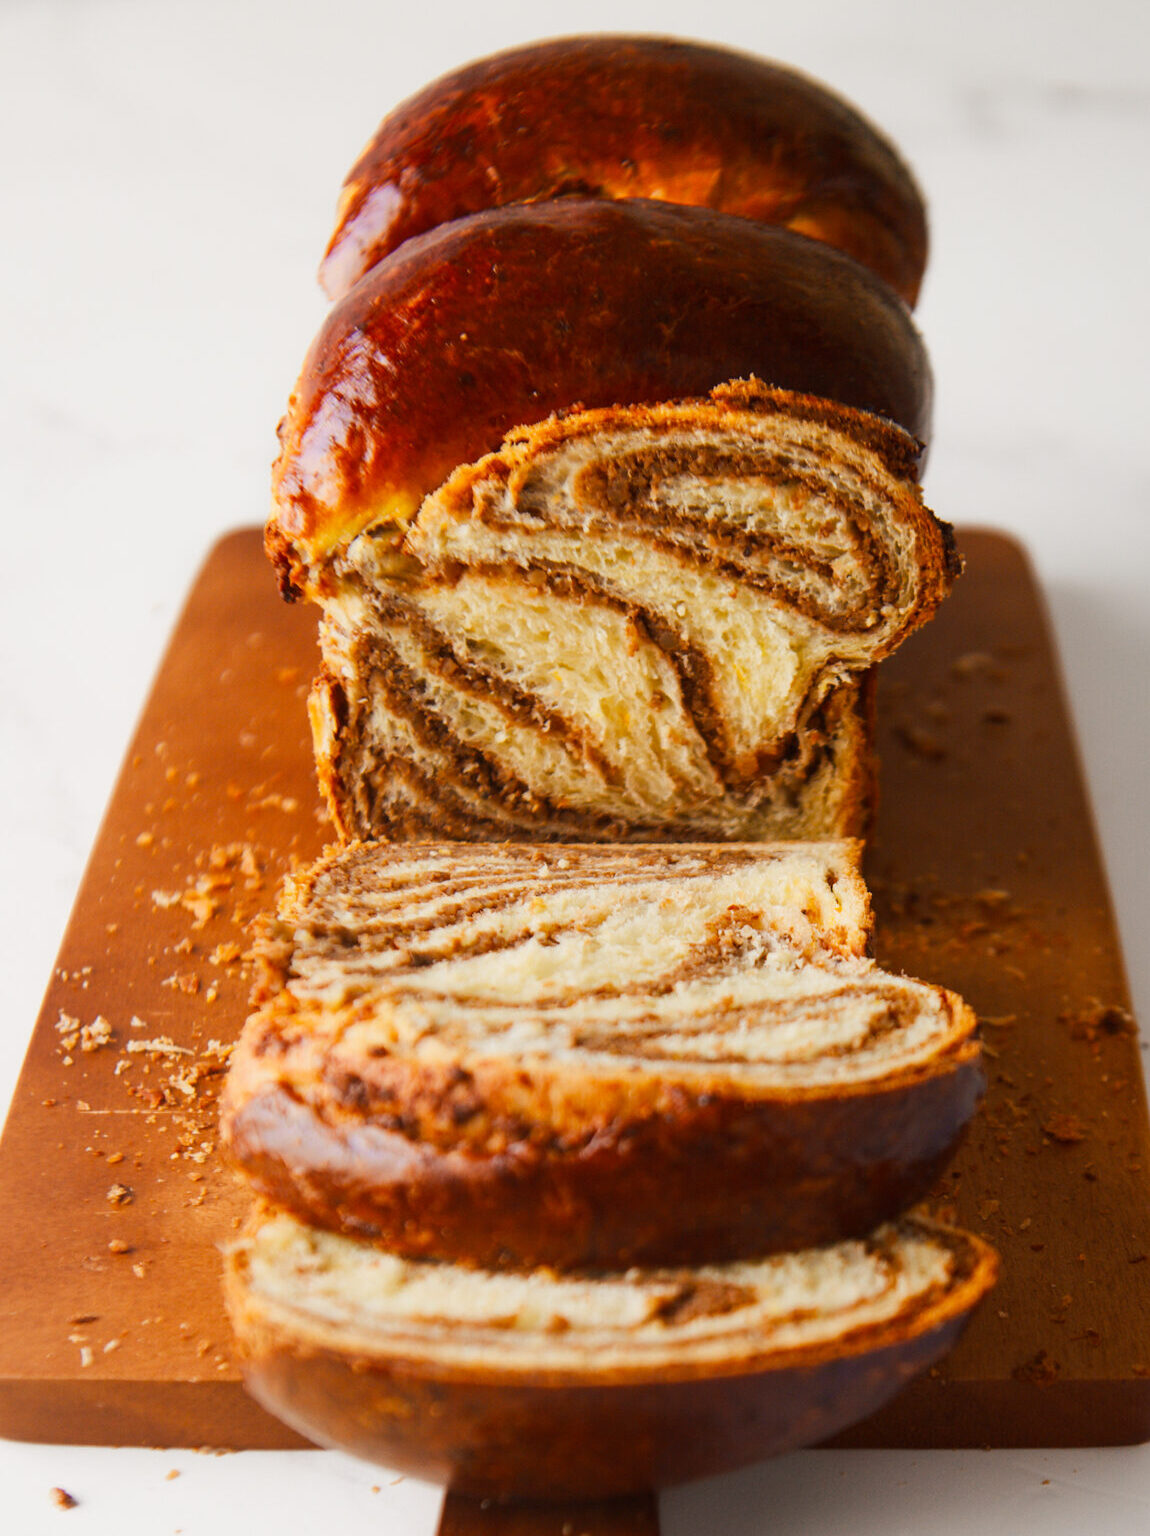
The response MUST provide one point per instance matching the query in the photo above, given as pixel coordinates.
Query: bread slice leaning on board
(586, 1386)
(592, 1056)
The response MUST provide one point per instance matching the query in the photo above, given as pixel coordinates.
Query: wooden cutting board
(986, 877)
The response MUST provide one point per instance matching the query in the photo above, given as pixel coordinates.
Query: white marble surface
(167, 175)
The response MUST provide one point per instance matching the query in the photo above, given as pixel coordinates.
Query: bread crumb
(975, 664)
(1065, 1128)
(182, 981)
(922, 743)
(119, 1194)
(168, 1476)
(1038, 1371)
(95, 1035)
(273, 801)
(62, 1498)
(201, 906)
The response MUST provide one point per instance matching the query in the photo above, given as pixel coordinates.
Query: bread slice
(632, 117)
(652, 622)
(587, 1386)
(587, 1055)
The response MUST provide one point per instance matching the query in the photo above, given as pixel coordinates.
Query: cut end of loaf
(653, 622)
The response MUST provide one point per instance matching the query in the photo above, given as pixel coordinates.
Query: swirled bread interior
(335, 1293)
(474, 996)
(654, 622)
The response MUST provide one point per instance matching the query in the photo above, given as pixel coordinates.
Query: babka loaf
(632, 117)
(653, 623)
(579, 1140)
(589, 1055)
(586, 1386)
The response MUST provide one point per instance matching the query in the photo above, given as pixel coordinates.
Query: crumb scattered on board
(169, 1084)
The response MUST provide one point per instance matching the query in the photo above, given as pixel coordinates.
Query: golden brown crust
(632, 117)
(504, 317)
(537, 1441)
(602, 1432)
(705, 1178)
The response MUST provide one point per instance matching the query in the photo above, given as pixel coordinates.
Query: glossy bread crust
(627, 117)
(500, 319)
(700, 1178)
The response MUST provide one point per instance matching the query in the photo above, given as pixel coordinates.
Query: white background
(167, 177)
